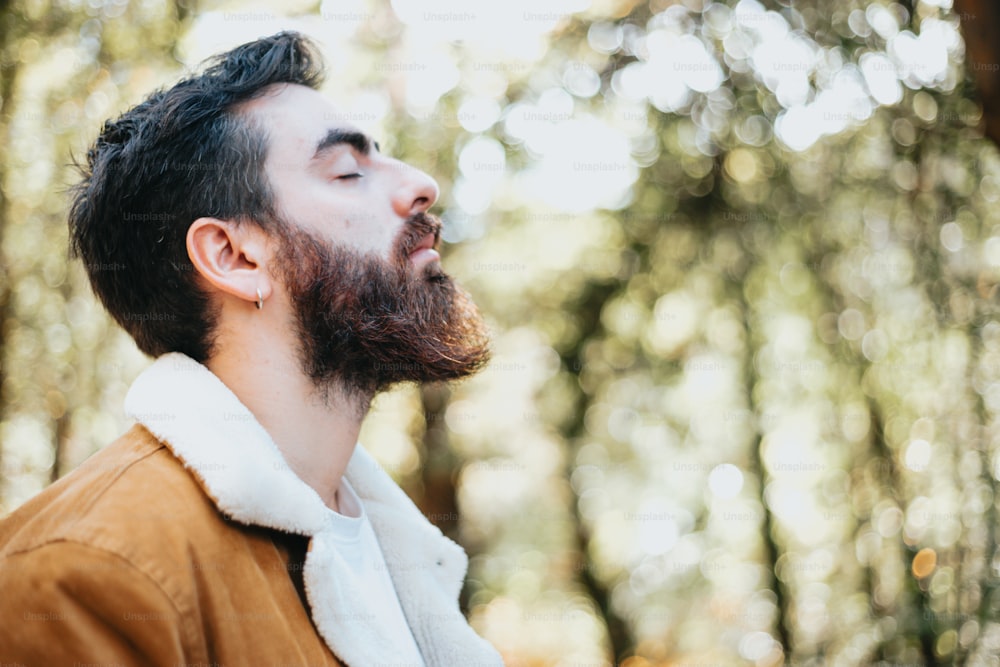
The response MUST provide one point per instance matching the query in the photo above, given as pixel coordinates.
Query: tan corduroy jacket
(190, 542)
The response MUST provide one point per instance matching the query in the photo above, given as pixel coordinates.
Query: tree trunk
(980, 21)
(8, 74)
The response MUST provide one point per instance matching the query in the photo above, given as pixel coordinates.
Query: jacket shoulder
(136, 548)
(121, 487)
(133, 498)
(69, 604)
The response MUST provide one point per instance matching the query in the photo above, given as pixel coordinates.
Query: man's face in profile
(356, 254)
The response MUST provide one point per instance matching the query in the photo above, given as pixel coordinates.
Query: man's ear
(230, 257)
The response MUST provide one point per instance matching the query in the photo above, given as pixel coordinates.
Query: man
(283, 271)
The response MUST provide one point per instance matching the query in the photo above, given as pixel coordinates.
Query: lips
(426, 243)
(425, 253)
(418, 242)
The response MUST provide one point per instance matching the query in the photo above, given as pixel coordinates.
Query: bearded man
(283, 271)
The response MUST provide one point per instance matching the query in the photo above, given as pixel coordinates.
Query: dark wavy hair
(184, 153)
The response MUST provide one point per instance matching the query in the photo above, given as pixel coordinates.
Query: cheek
(358, 221)
(364, 231)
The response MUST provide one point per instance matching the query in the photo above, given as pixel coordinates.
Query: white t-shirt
(355, 540)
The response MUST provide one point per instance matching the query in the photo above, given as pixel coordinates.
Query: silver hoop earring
(260, 300)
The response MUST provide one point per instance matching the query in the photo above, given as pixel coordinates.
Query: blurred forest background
(742, 264)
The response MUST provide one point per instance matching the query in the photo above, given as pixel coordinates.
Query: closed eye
(349, 176)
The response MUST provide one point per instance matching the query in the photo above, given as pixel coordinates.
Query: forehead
(295, 119)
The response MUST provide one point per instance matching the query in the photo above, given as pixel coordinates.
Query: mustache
(415, 230)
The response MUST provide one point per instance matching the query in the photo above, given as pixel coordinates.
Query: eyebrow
(359, 141)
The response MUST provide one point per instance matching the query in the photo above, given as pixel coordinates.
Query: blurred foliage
(742, 264)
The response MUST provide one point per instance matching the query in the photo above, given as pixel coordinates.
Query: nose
(416, 191)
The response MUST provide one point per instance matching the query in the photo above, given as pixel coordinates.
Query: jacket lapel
(235, 460)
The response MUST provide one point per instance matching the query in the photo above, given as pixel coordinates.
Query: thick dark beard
(366, 324)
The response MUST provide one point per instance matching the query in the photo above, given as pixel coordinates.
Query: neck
(316, 431)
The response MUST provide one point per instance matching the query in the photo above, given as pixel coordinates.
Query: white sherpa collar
(235, 460)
